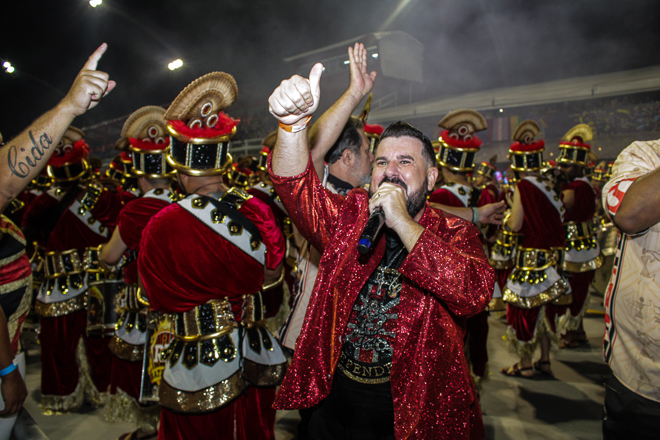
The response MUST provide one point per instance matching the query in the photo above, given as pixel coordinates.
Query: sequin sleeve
(448, 260)
(313, 209)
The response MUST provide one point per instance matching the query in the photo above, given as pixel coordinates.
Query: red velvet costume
(126, 376)
(446, 277)
(60, 335)
(542, 229)
(183, 264)
(584, 209)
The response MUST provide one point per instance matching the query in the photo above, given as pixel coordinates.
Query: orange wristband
(298, 127)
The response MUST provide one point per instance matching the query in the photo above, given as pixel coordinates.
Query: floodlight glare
(175, 64)
(8, 67)
(95, 3)
(375, 55)
(346, 62)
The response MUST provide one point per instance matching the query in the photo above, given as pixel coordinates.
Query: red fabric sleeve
(584, 207)
(134, 218)
(445, 197)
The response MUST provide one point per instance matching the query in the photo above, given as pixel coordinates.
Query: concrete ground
(567, 406)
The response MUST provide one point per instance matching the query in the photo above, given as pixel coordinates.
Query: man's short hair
(349, 138)
(401, 128)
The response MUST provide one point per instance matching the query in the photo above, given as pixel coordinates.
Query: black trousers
(627, 415)
(354, 410)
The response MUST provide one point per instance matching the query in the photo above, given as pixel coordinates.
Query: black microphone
(371, 230)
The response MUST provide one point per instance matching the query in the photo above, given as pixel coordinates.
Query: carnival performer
(536, 214)
(582, 256)
(458, 146)
(484, 177)
(205, 259)
(69, 218)
(380, 353)
(148, 138)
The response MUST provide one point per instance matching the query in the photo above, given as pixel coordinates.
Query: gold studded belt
(211, 320)
(578, 231)
(538, 259)
(60, 264)
(508, 239)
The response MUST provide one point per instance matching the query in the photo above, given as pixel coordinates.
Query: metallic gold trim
(10, 287)
(202, 401)
(563, 300)
(57, 262)
(61, 308)
(496, 305)
(527, 258)
(500, 264)
(444, 153)
(260, 375)
(525, 167)
(594, 264)
(198, 173)
(362, 379)
(201, 141)
(51, 173)
(125, 351)
(223, 332)
(191, 331)
(277, 282)
(554, 291)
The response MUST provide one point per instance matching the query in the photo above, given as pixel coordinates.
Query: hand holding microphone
(387, 206)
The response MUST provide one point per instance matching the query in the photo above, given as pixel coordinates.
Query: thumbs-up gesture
(296, 98)
(89, 86)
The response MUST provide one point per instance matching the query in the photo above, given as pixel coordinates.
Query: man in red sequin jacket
(381, 351)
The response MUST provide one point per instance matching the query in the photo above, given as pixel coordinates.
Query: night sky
(469, 45)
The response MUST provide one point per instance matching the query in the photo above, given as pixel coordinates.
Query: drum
(102, 314)
(159, 336)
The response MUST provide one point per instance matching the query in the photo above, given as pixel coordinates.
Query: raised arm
(326, 130)
(293, 103)
(23, 158)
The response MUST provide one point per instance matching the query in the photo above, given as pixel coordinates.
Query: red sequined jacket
(446, 278)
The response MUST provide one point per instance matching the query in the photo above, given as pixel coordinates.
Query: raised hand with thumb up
(296, 98)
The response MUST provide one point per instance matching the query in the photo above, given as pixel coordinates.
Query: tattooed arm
(23, 158)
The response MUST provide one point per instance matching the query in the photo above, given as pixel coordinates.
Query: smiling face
(399, 160)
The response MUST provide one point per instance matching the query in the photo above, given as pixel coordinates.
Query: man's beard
(415, 201)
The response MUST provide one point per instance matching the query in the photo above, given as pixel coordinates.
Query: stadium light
(8, 67)
(175, 64)
(95, 3)
(375, 55)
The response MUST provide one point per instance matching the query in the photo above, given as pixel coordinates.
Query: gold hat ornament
(199, 129)
(146, 131)
(458, 142)
(573, 148)
(526, 154)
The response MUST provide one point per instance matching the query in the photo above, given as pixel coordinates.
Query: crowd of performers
(158, 284)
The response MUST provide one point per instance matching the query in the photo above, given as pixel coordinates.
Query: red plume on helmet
(72, 148)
